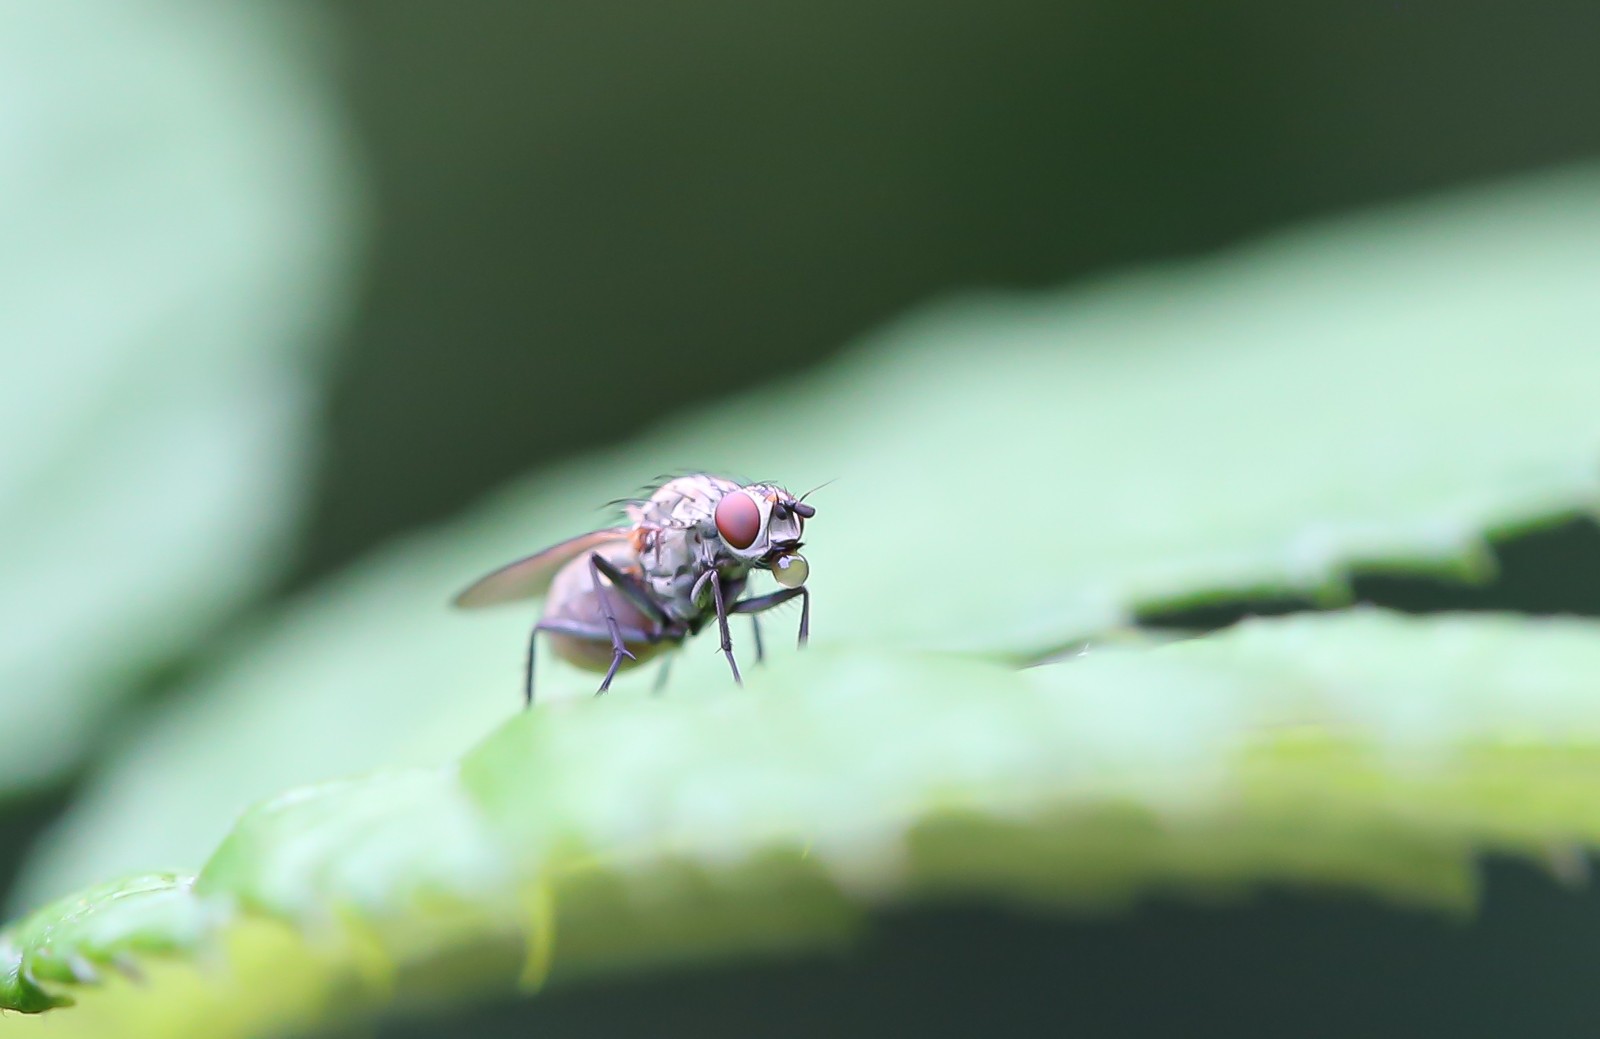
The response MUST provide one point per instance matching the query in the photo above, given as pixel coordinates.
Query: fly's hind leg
(527, 682)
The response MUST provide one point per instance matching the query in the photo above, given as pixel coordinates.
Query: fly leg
(661, 674)
(762, 603)
(714, 579)
(631, 588)
(619, 581)
(755, 630)
(616, 633)
(722, 625)
(527, 683)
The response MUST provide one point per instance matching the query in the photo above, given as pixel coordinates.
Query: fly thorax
(686, 502)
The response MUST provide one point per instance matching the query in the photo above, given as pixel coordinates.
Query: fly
(617, 597)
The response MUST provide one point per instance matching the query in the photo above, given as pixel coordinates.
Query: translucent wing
(530, 577)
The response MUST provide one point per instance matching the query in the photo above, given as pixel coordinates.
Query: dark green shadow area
(1274, 964)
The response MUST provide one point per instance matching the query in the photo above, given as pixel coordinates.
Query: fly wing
(530, 577)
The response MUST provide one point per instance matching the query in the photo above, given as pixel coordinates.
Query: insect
(617, 597)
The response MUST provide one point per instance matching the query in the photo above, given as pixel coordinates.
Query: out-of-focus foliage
(706, 196)
(1359, 750)
(175, 219)
(588, 223)
(1012, 474)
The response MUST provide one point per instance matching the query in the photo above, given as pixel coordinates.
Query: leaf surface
(175, 224)
(1361, 750)
(1013, 473)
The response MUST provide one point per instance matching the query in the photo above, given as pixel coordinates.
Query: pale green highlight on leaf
(1360, 750)
(177, 220)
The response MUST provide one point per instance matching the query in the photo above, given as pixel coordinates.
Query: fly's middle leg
(661, 674)
(610, 632)
(619, 648)
(631, 588)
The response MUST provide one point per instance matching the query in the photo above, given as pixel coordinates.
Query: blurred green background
(710, 195)
(536, 229)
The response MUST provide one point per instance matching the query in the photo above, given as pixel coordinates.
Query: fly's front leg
(762, 603)
(722, 625)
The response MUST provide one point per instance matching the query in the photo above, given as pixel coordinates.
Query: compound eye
(738, 520)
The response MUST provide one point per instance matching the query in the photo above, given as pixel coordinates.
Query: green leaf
(1361, 750)
(1013, 474)
(176, 222)
(77, 940)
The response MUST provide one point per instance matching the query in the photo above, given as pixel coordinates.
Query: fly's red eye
(738, 520)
